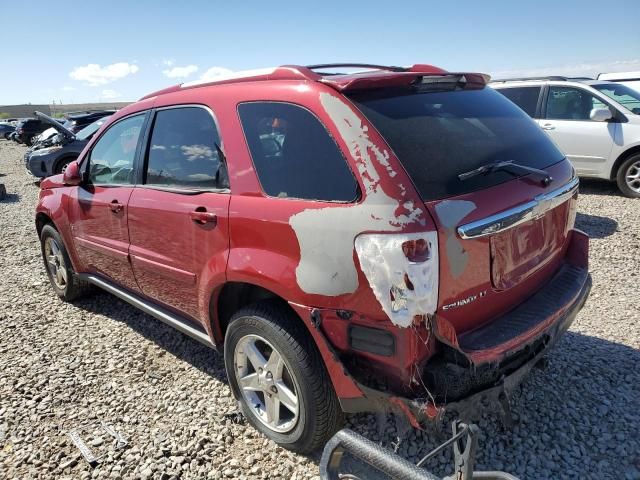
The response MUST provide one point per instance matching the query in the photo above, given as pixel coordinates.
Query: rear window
(439, 135)
(525, 97)
(294, 155)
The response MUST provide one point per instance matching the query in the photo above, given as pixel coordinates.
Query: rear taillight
(402, 270)
(416, 250)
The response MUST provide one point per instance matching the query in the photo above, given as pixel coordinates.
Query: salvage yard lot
(65, 366)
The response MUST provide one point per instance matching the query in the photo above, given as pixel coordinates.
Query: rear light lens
(402, 270)
(416, 251)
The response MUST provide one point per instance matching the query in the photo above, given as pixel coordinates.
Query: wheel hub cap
(266, 383)
(55, 262)
(632, 176)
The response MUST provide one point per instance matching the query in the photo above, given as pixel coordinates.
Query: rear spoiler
(409, 78)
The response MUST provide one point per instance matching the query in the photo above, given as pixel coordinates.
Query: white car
(595, 123)
(630, 79)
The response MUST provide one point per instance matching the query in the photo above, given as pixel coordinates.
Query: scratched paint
(450, 212)
(327, 235)
(387, 269)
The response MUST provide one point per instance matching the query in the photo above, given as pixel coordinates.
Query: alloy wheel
(55, 262)
(632, 176)
(266, 383)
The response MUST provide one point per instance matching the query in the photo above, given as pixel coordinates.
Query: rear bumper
(487, 396)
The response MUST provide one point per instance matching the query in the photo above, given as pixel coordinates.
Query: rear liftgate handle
(202, 217)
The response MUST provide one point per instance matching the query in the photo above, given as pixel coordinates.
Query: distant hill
(26, 110)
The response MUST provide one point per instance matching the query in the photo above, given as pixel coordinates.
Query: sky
(83, 51)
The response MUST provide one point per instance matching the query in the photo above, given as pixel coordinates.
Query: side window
(525, 97)
(111, 160)
(294, 155)
(569, 103)
(184, 150)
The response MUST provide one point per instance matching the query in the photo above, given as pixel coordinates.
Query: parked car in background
(52, 157)
(630, 79)
(27, 129)
(45, 137)
(76, 121)
(595, 123)
(6, 129)
(352, 240)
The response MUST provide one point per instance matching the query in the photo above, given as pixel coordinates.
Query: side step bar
(160, 313)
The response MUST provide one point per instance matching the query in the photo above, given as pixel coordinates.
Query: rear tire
(307, 407)
(628, 178)
(63, 278)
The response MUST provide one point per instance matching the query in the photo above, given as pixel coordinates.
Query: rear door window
(294, 155)
(184, 151)
(525, 97)
(438, 135)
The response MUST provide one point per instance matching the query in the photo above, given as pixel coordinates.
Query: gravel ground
(65, 367)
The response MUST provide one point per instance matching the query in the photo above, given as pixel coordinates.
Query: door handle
(202, 216)
(116, 206)
(548, 126)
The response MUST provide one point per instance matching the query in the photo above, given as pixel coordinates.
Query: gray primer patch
(326, 235)
(450, 212)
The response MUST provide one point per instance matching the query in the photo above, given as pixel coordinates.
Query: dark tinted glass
(568, 103)
(438, 135)
(183, 151)
(525, 97)
(294, 155)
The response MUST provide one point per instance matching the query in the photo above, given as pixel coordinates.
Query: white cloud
(67, 88)
(168, 62)
(215, 72)
(572, 70)
(109, 94)
(180, 72)
(95, 75)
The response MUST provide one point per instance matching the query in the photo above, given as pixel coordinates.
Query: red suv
(393, 239)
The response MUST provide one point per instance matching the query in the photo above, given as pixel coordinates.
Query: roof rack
(85, 112)
(371, 66)
(550, 77)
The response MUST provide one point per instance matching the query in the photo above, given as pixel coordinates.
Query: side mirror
(600, 114)
(72, 174)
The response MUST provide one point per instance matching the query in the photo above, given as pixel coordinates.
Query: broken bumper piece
(494, 396)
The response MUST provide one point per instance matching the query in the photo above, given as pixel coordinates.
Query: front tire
(277, 374)
(628, 177)
(61, 166)
(63, 278)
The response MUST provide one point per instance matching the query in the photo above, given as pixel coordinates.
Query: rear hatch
(502, 233)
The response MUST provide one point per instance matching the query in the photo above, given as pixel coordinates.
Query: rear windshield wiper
(508, 166)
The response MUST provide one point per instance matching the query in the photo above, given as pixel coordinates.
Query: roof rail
(559, 78)
(371, 66)
(517, 79)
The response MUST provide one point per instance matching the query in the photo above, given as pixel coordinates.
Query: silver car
(595, 123)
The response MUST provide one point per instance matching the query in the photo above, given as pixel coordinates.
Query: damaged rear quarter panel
(327, 264)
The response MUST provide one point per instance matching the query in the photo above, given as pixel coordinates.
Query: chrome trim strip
(517, 215)
(153, 310)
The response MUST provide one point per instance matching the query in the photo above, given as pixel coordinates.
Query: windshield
(87, 132)
(439, 135)
(625, 96)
